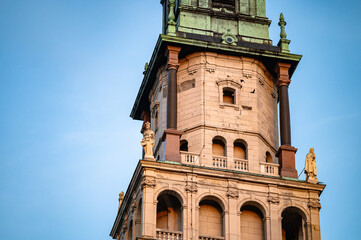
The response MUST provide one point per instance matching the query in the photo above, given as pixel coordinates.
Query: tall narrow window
(210, 220)
(240, 149)
(252, 227)
(269, 158)
(293, 224)
(218, 147)
(169, 213)
(228, 95)
(184, 145)
(130, 231)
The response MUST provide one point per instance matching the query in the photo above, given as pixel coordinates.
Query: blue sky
(70, 71)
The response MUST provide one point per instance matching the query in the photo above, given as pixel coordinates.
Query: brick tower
(211, 93)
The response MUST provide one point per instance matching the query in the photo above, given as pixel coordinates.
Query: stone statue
(148, 142)
(121, 197)
(310, 167)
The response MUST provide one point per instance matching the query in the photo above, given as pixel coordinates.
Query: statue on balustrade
(148, 142)
(310, 167)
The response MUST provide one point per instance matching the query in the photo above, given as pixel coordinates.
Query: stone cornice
(226, 15)
(126, 204)
(235, 175)
(201, 126)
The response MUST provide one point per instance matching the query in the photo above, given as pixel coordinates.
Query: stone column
(190, 216)
(171, 136)
(314, 225)
(233, 227)
(149, 208)
(146, 118)
(286, 153)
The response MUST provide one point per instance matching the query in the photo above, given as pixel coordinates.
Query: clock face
(229, 40)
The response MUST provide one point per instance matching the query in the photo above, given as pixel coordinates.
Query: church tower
(212, 166)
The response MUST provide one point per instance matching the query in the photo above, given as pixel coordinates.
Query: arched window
(130, 231)
(293, 224)
(240, 149)
(269, 158)
(252, 226)
(169, 212)
(227, 4)
(218, 147)
(210, 219)
(183, 146)
(138, 220)
(228, 95)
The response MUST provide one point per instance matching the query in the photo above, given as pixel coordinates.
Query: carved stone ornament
(247, 75)
(148, 142)
(134, 204)
(232, 194)
(274, 200)
(314, 204)
(192, 70)
(121, 197)
(273, 93)
(229, 38)
(148, 183)
(261, 80)
(125, 225)
(192, 188)
(210, 69)
(310, 167)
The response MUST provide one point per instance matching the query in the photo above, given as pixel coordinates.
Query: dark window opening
(292, 225)
(269, 158)
(183, 146)
(227, 4)
(228, 95)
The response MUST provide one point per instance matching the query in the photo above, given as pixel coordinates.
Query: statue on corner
(310, 167)
(121, 197)
(148, 142)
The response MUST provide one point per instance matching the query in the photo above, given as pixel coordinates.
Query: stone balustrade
(269, 168)
(189, 158)
(167, 235)
(241, 165)
(219, 162)
(210, 238)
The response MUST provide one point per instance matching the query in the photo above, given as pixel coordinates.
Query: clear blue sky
(70, 71)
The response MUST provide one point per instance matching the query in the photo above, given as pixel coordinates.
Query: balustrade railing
(219, 162)
(241, 165)
(269, 168)
(167, 235)
(189, 158)
(210, 238)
